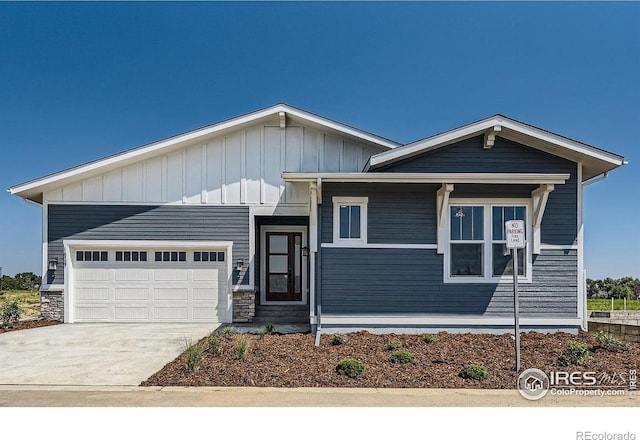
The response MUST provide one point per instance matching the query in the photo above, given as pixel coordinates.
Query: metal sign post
(515, 240)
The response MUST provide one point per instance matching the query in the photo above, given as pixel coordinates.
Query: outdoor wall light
(53, 264)
(305, 251)
(239, 264)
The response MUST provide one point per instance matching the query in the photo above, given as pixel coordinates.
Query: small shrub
(338, 339)
(261, 333)
(576, 353)
(270, 328)
(474, 371)
(193, 352)
(401, 357)
(227, 330)
(393, 345)
(214, 340)
(429, 339)
(242, 347)
(9, 313)
(350, 367)
(610, 342)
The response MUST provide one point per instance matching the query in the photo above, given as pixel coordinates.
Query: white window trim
(488, 277)
(353, 201)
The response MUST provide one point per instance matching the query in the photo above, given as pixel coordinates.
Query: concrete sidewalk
(65, 396)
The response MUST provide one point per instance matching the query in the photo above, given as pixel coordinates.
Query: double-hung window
(350, 220)
(477, 243)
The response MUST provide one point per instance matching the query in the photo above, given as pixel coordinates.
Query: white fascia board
(439, 178)
(467, 131)
(138, 153)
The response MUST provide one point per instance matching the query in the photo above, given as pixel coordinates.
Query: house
(283, 214)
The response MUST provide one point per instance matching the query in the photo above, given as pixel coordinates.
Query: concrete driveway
(92, 354)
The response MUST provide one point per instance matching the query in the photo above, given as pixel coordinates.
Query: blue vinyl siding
(409, 281)
(141, 222)
(397, 213)
(559, 224)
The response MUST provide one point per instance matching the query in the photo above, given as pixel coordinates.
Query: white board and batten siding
(240, 168)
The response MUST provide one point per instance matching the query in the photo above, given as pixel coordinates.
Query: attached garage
(148, 281)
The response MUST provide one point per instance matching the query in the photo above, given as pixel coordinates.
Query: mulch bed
(24, 325)
(293, 361)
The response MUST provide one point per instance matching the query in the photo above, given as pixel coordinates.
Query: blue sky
(79, 81)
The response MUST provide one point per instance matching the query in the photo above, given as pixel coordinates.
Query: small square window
(205, 256)
(118, 255)
(174, 256)
(182, 256)
(143, 256)
(79, 256)
(135, 256)
(213, 256)
(95, 256)
(158, 256)
(87, 255)
(166, 256)
(220, 256)
(196, 256)
(104, 256)
(127, 256)
(350, 220)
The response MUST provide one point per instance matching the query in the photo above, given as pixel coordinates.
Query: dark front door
(284, 266)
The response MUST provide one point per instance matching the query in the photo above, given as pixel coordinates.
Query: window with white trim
(350, 220)
(477, 244)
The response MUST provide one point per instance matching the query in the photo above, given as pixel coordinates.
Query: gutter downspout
(318, 279)
(596, 179)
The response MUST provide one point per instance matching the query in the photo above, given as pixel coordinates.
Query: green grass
(618, 304)
(29, 301)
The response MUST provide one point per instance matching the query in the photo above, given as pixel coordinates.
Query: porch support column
(313, 245)
(539, 197)
(442, 205)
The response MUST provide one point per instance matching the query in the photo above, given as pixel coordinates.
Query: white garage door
(149, 284)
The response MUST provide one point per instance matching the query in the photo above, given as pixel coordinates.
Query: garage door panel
(131, 293)
(139, 291)
(171, 313)
(171, 275)
(93, 313)
(171, 294)
(93, 275)
(132, 275)
(92, 294)
(132, 313)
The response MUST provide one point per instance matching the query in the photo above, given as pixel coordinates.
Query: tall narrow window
(350, 220)
(467, 241)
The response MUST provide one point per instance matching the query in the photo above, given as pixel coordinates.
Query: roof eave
(141, 152)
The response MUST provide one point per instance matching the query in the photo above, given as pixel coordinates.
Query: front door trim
(263, 267)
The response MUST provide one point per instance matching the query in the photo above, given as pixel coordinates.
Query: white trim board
(441, 320)
(437, 178)
(380, 245)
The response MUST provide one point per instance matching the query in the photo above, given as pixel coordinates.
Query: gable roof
(33, 189)
(595, 160)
